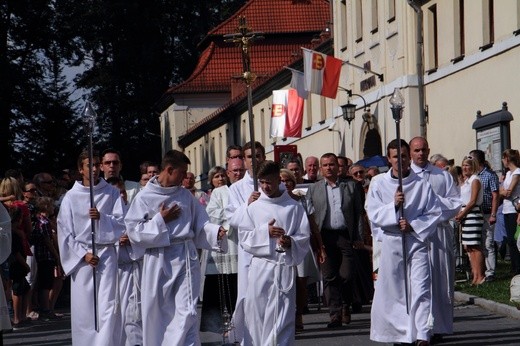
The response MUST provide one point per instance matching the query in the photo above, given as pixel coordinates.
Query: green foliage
(129, 52)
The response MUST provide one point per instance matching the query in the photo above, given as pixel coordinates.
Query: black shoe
(335, 322)
(490, 278)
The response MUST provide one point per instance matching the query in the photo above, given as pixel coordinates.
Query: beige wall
(453, 92)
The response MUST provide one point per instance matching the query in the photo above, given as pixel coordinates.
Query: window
(459, 31)
(374, 15)
(488, 24)
(433, 51)
(391, 11)
(359, 21)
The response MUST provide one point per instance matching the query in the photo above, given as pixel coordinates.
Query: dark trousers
(510, 223)
(337, 270)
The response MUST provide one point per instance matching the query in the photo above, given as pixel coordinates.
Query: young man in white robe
(274, 223)
(390, 320)
(242, 194)
(78, 260)
(166, 225)
(129, 276)
(441, 253)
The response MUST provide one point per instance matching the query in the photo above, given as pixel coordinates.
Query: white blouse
(465, 191)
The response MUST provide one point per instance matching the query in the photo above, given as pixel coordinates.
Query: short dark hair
(174, 158)
(233, 147)
(294, 160)
(344, 158)
(394, 144)
(85, 155)
(143, 167)
(249, 145)
(328, 155)
(478, 155)
(110, 151)
(268, 168)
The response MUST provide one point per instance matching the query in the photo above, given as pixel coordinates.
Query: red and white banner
(286, 114)
(298, 83)
(321, 73)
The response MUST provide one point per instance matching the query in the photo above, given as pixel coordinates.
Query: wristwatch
(493, 215)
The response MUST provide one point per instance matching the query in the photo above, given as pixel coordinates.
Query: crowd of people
(142, 255)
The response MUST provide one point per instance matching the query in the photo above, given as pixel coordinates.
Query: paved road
(473, 326)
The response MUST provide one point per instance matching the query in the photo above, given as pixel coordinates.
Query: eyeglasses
(114, 162)
(31, 190)
(358, 173)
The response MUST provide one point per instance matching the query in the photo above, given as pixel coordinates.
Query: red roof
(279, 16)
(286, 24)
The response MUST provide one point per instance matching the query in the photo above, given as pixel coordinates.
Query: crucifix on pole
(244, 39)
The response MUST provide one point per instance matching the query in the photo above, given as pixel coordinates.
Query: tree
(130, 52)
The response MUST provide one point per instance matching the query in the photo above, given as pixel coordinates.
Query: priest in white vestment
(75, 244)
(390, 321)
(442, 255)
(274, 220)
(129, 276)
(167, 225)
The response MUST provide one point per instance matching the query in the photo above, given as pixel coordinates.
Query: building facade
(449, 58)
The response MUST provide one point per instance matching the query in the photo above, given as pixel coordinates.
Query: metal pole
(397, 109)
(89, 118)
(252, 135)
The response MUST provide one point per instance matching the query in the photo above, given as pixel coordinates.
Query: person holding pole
(93, 271)
(390, 320)
(241, 195)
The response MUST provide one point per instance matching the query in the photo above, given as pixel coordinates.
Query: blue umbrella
(377, 160)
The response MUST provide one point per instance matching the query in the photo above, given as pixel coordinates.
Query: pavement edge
(490, 305)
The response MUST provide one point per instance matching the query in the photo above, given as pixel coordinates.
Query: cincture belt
(186, 241)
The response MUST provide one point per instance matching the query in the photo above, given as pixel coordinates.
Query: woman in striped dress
(471, 219)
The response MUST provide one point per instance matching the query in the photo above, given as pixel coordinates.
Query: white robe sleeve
(255, 239)
(206, 233)
(300, 242)
(381, 214)
(72, 252)
(111, 226)
(450, 203)
(425, 223)
(144, 229)
(235, 210)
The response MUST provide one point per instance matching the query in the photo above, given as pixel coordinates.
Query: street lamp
(397, 103)
(349, 110)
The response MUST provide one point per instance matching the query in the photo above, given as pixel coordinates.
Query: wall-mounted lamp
(349, 110)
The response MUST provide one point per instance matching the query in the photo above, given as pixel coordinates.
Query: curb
(490, 305)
